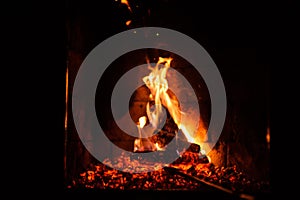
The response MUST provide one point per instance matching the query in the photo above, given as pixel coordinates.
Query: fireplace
(161, 120)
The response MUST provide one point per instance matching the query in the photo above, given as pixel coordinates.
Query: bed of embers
(190, 172)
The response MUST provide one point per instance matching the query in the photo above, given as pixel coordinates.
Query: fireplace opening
(158, 118)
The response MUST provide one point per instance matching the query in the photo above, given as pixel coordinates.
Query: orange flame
(66, 111)
(128, 22)
(268, 135)
(157, 82)
(158, 85)
(127, 4)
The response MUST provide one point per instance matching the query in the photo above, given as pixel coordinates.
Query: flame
(186, 133)
(127, 4)
(209, 159)
(202, 151)
(157, 82)
(128, 22)
(142, 121)
(268, 135)
(66, 111)
(158, 148)
(158, 85)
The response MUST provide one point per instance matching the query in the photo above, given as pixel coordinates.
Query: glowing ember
(143, 145)
(102, 177)
(268, 135)
(128, 22)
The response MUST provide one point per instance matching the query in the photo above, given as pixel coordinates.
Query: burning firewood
(191, 171)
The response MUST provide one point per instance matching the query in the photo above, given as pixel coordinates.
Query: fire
(268, 137)
(158, 85)
(128, 22)
(158, 148)
(157, 82)
(142, 121)
(141, 144)
(127, 4)
(203, 152)
(186, 133)
(66, 111)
